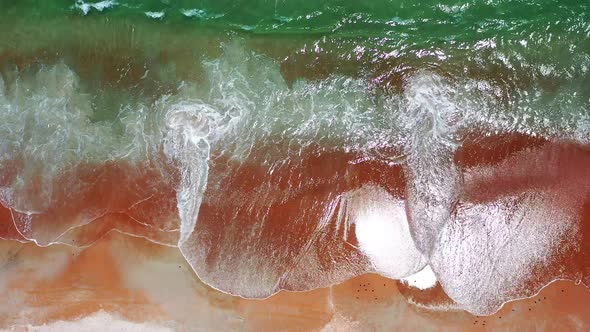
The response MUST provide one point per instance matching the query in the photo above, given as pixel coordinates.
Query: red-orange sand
(139, 281)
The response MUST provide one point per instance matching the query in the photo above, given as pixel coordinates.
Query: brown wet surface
(86, 199)
(558, 170)
(273, 218)
(558, 166)
(479, 150)
(7, 228)
(138, 279)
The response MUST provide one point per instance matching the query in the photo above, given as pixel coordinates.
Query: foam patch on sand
(424, 279)
(98, 322)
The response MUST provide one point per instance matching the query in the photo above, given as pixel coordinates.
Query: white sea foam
(432, 117)
(46, 122)
(85, 7)
(423, 279)
(47, 125)
(155, 15)
(190, 125)
(193, 12)
(97, 322)
(487, 255)
(382, 231)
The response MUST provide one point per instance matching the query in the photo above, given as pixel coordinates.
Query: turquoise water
(442, 20)
(510, 43)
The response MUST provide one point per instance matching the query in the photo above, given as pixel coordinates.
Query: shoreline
(136, 279)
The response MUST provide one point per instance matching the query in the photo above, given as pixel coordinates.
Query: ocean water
(292, 145)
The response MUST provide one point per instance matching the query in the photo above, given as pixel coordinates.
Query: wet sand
(135, 280)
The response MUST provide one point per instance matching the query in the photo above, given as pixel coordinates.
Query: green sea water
(433, 20)
(526, 63)
(557, 31)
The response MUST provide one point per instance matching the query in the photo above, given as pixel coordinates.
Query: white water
(245, 103)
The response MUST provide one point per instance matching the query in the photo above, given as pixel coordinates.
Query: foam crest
(86, 7)
(432, 118)
(189, 124)
(246, 103)
(46, 125)
(338, 111)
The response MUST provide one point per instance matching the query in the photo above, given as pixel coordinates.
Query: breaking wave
(266, 184)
